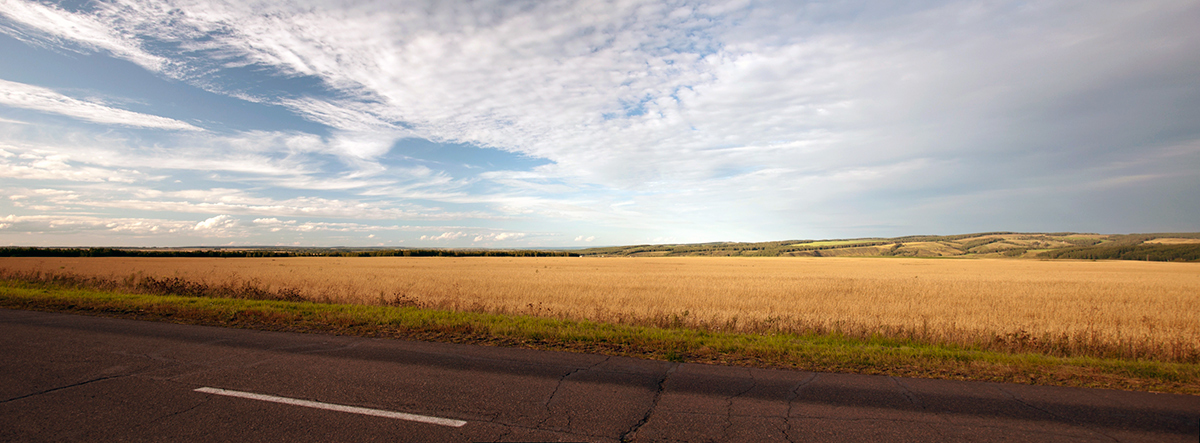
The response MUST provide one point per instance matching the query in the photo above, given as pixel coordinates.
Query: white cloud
(217, 223)
(478, 237)
(498, 78)
(58, 225)
(37, 21)
(25, 96)
(585, 239)
(284, 159)
(539, 81)
(107, 230)
(271, 221)
(236, 201)
(508, 236)
(445, 236)
(48, 166)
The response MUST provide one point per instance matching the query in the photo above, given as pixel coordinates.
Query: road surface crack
(1013, 397)
(203, 400)
(916, 401)
(351, 345)
(853, 419)
(624, 438)
(73, 385)
(557, 387)
(729, 405)
(509, 427)
(787, 431)
(908, 393)
(507, 431)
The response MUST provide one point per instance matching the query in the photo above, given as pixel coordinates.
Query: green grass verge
(802, 352)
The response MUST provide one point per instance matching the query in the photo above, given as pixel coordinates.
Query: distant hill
(1059, 245)
(1065, 245)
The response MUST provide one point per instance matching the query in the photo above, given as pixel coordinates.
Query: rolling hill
(1066, 245)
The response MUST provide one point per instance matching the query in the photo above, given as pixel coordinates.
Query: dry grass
(1174, 241)
(1103, 309)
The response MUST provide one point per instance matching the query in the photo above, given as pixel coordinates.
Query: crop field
(1106, 309)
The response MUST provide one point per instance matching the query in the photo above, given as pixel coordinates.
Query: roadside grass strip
(335, 407)
(822, 353)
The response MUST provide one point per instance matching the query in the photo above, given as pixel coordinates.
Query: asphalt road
(78, 378)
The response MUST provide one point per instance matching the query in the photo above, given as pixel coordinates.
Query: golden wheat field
(1135, 309)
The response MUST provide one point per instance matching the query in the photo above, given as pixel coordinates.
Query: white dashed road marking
(333, 407)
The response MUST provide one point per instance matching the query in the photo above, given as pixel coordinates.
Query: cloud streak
(223, 227)
(37, 22)
(36, 98)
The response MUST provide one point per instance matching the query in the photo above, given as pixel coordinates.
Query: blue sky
(543, 123)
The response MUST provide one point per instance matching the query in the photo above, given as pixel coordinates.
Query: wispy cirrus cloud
(223, 227)
(48, 166)
(637, 93)
(90, 223)
(38, 22)
(495, 74)
(232, 202)
(41, 99)
(215, 227)
(286, 159)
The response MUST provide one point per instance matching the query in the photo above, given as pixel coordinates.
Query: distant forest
(1133, 252)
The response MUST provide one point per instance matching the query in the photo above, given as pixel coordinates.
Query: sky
(511, 124)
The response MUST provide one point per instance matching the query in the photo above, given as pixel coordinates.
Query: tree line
(1188, 252)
